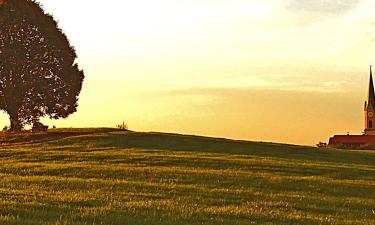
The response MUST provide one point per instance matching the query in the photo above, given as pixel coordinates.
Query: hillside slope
(102, 176)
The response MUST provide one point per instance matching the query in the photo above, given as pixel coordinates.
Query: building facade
(367, 139)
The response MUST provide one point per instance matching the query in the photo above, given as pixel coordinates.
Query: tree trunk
(15, 123)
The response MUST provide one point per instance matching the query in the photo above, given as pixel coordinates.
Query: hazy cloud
(312, 11)
(334, 7)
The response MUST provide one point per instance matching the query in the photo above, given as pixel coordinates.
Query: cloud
(312, 11)
(334, 7)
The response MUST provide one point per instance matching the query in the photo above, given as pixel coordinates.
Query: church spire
(371, 94)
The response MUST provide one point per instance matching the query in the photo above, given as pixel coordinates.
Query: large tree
(38, 73)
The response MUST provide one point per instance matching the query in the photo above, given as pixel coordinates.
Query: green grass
(100, 176)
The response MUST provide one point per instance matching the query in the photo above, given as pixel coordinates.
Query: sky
(290, 71)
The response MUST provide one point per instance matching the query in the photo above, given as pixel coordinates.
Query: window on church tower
(370, 124)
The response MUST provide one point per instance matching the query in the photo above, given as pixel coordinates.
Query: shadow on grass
(176, 142)
(73, 215)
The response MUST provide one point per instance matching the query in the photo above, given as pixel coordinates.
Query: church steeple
(370, 108)
(371, 94)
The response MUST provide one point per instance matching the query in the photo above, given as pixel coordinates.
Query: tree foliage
(38, 73)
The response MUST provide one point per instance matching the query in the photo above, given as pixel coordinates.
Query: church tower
(370, 109)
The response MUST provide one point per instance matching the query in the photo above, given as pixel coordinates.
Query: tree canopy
(38, 73)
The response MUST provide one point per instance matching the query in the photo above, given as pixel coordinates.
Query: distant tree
(38, 73)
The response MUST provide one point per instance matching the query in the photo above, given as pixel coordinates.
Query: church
(367, 139)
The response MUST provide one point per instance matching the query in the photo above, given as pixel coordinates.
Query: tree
(38, 73)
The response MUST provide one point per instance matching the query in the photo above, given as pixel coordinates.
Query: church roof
(352, 139)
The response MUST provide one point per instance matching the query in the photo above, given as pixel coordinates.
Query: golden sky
(292, 71)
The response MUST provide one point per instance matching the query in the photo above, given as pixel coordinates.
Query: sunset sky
(293, 71)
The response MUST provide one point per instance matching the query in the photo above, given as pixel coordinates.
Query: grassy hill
(103, 176)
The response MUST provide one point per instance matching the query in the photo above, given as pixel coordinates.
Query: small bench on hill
(39, 127)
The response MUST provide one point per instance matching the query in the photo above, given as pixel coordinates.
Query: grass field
(102, 176)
